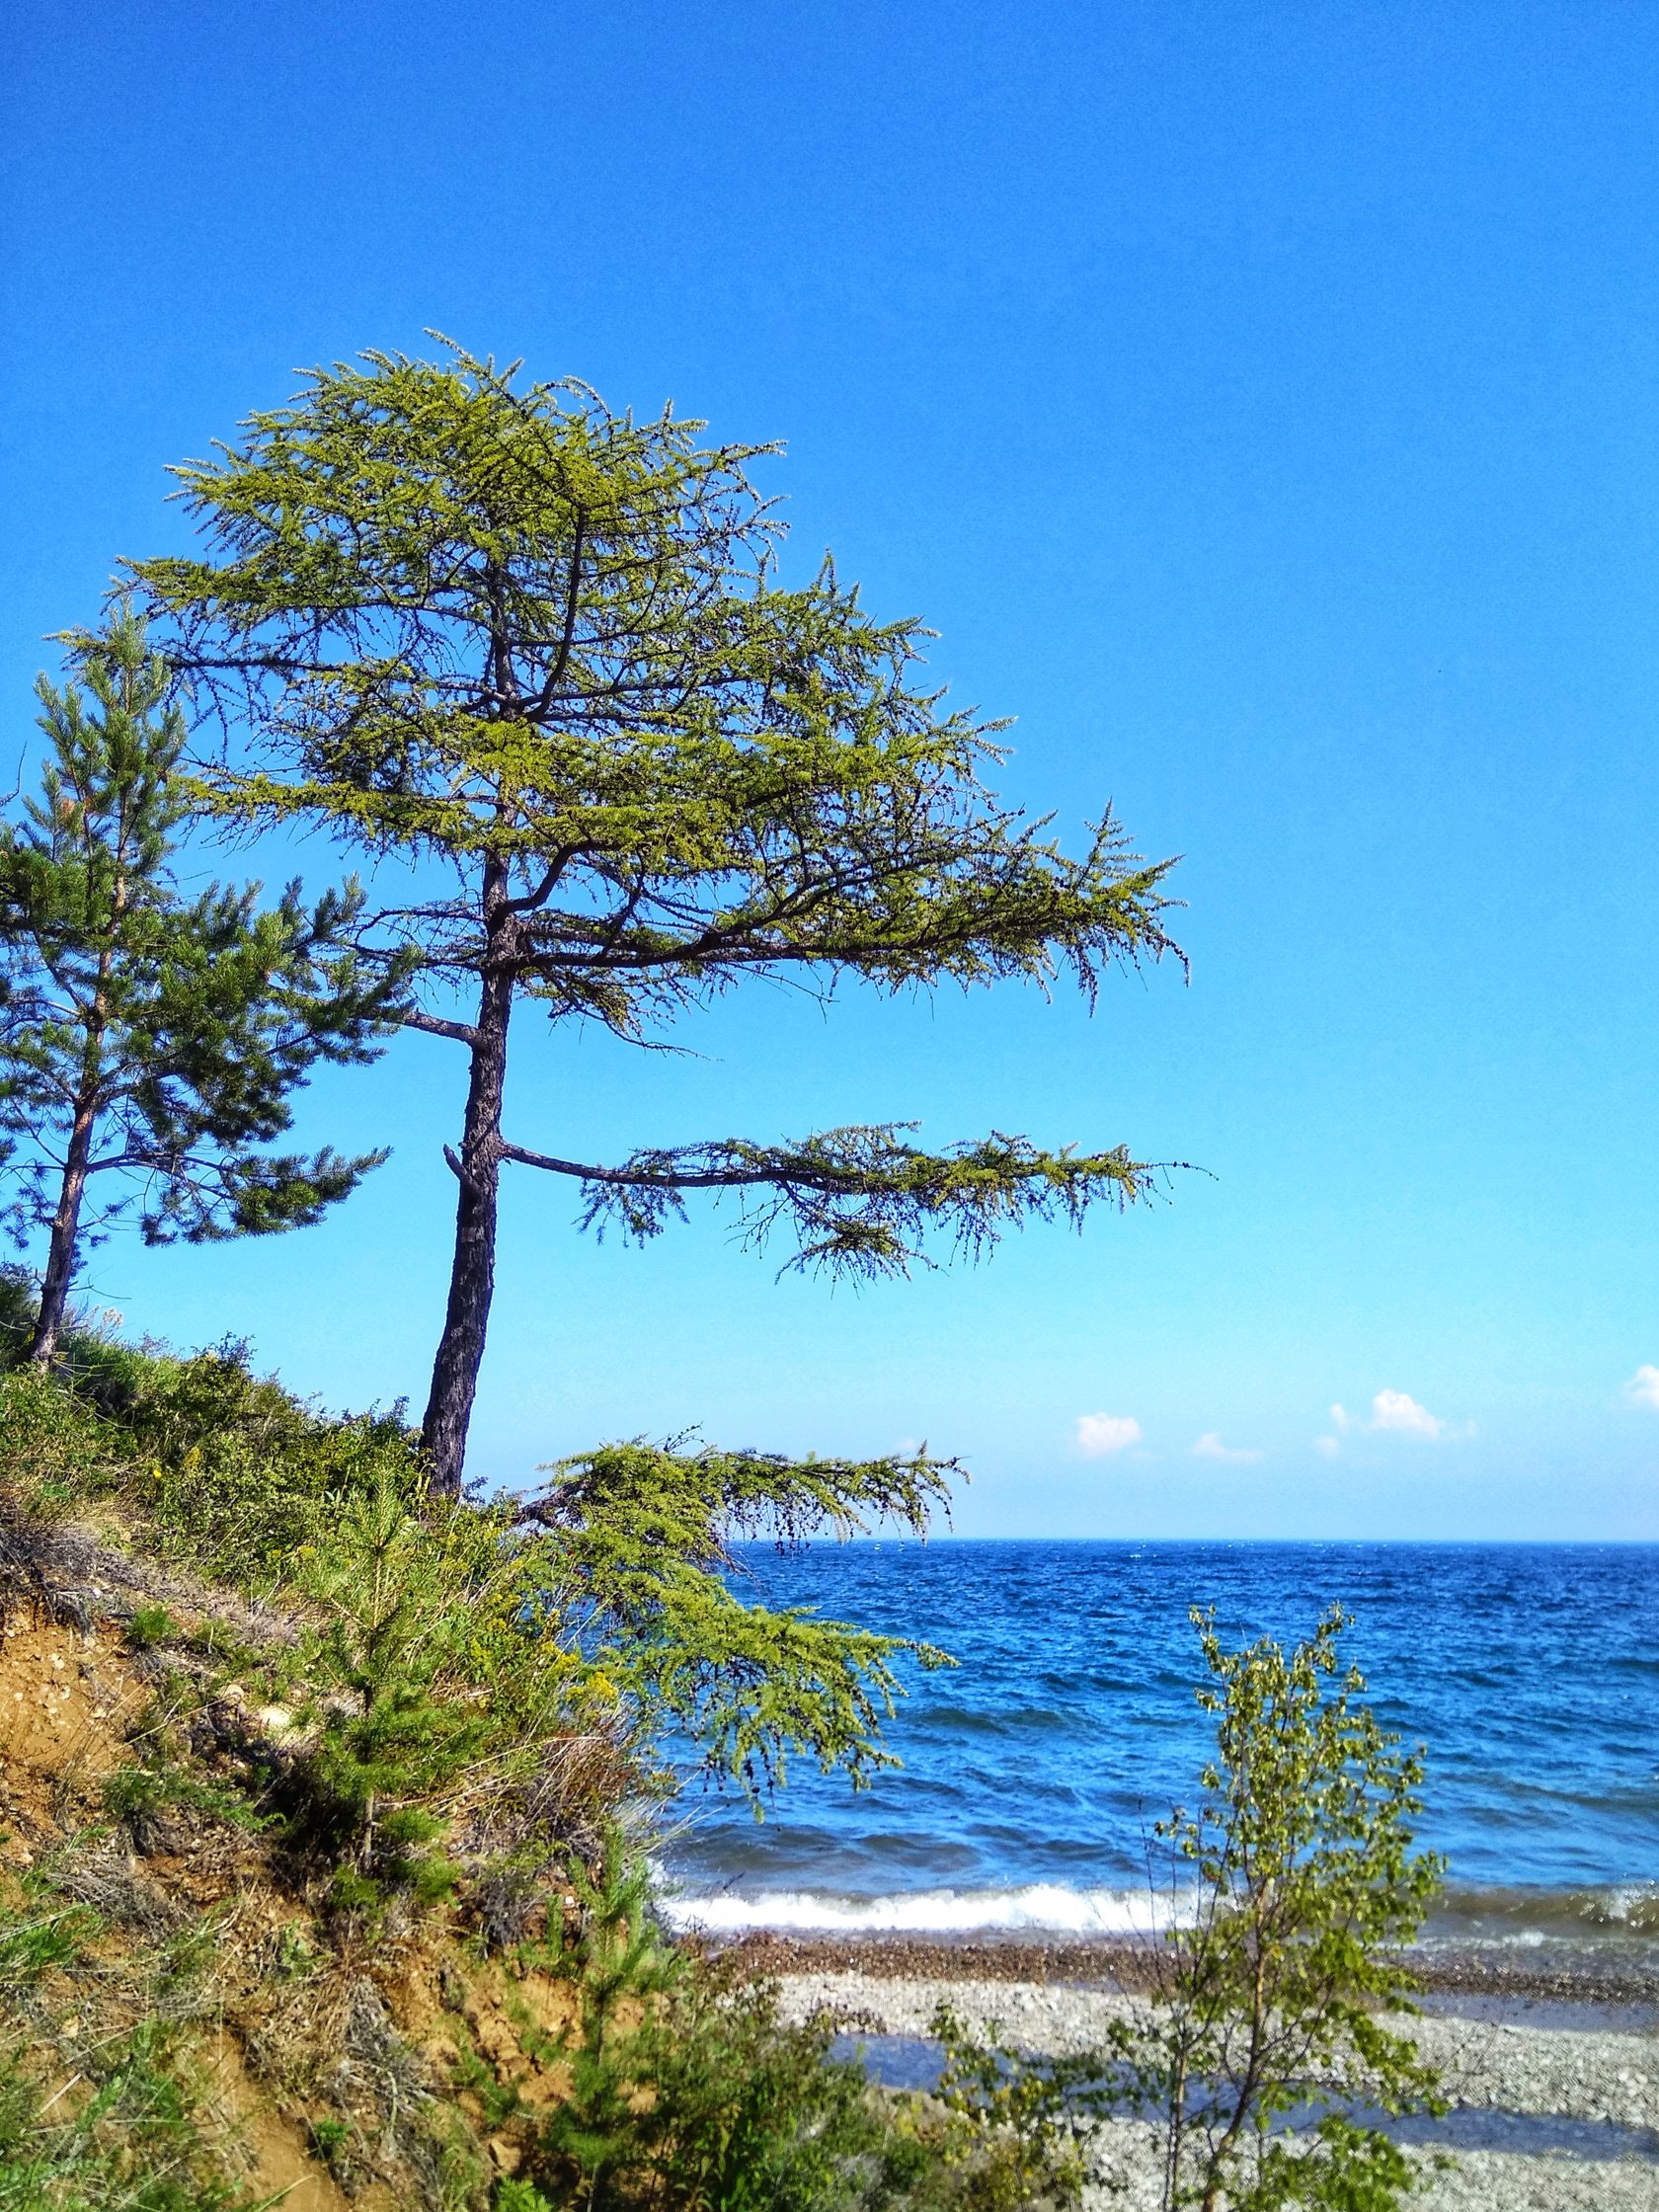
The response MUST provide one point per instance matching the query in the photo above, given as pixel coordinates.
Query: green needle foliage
(146, 1038)
(860, 1198)
(469, 1683)
(688, 2093)
(540, 655)
(644, 1547)
(1306, 1886)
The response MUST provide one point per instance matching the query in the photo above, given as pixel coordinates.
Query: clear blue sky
(1260, 401)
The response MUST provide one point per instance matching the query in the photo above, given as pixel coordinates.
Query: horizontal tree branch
(432, 1025)
(859, 1200)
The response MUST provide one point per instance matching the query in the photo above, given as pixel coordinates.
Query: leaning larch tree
(541, 655)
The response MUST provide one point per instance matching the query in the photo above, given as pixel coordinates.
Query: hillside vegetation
(322, 1804)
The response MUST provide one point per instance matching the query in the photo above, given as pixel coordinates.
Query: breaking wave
(1051, 1909)
(1035, 1774)
(1047, 1908)
(1540, 1916)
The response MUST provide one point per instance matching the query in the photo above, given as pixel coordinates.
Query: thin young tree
(1295, 1887)
(144, 1037)
(541, 654)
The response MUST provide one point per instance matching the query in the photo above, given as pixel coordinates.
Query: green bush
(689, 2095)
(514, 2196)
(440, 1695)
(505, 1669)
(232, 1473)
(19, 1298)
(150, 1626)
(241, 1474)
(1022, 2146)
(143, 1794)
(467, 1695)
(58, 1451)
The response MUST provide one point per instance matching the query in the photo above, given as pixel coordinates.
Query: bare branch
(432, 1025)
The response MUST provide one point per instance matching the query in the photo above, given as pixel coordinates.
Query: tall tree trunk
(472, 1277)
(65, 1230)
(66, 1221)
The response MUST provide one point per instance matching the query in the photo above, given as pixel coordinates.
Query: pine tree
(540, 654)
(146, 1038)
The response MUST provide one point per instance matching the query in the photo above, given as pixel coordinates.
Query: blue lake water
(1032, 1772)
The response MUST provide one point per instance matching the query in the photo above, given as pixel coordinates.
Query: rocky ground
(1544, 2119)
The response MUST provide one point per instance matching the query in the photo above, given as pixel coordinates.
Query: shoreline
(1506, 1980)
(1551, 2114)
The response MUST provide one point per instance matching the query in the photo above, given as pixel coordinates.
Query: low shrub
(439, 1711)
(689, 2094)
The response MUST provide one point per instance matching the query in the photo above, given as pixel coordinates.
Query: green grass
(421, 1727)
(96, 2116)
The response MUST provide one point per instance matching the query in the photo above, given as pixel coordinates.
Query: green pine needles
(537, 660)
(644, 1537)
(148, 1038)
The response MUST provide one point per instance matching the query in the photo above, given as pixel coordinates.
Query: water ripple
(1070, 1726)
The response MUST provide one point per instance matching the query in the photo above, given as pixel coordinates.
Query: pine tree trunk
(65, 1230)
(472, 1277)
(66, 1221)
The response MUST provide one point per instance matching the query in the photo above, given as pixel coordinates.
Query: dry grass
(317, 2054)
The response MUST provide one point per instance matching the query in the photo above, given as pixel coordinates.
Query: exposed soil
(64, 1704)
(367, 2031)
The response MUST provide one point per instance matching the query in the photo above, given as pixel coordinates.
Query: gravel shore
(1563, 2087)
(1614, 1978)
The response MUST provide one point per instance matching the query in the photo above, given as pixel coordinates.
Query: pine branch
(643, 1537)
(859, 1200)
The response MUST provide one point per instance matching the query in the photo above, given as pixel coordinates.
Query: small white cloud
(1326, 1446)
(1100, 1434)
(1211, 1447)
(1643, 1387)
(1392, 1410)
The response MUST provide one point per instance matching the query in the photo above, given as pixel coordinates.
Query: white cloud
(1211, 1447)
(1100, 1434)
(1390, 1410)
(1326, 1446)
(1643, 1387)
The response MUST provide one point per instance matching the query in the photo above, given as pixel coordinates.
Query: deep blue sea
(1033, 1770)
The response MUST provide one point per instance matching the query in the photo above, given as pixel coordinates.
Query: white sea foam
(1046, 1907)
(1635, 1905)
(1502, 1916)
(1536, 1915)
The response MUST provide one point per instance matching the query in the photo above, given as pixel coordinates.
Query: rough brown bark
(66, 1221)
(472, 1275)
(60, 1254)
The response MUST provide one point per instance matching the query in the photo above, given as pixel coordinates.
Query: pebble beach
(1561, 2116)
